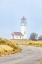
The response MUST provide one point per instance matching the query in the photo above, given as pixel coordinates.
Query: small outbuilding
(17, 35)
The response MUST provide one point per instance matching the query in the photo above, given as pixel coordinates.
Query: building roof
(23, 18)
(18, 34)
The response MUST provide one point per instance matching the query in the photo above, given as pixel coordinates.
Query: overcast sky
(11, 12)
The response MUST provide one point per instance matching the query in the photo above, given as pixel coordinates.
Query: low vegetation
(41, 63)
(7, 47)
(28, 43)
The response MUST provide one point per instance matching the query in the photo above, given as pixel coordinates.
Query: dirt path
(28, 55)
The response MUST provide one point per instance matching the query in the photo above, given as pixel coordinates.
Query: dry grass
(28, 43)
(41, 63)
(7, 47)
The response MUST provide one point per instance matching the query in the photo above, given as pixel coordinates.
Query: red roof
(23, 18)
(18, 33)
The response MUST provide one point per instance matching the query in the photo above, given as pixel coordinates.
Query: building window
(20, 36)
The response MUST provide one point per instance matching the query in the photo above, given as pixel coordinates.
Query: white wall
(12, 37)
(18, 37)
(23, 31)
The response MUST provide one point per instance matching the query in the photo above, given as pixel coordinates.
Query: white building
(22, 34)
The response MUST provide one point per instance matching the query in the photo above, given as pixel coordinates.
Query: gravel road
(28, 55)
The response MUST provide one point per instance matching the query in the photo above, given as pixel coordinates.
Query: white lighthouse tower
(23, 27)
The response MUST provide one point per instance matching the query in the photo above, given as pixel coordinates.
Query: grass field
(9, 46)
(28, 43)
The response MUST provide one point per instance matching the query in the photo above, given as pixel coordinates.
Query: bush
(2, 42)
(30, 43)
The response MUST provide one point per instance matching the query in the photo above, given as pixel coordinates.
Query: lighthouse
(23, 27)
(21, 34)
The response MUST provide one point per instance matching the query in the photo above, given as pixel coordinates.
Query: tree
(40, 37)
(33, 36)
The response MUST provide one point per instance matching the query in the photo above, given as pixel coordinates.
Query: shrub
(2, 42)
(30, 43)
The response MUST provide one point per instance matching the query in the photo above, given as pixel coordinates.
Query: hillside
(7, 47)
